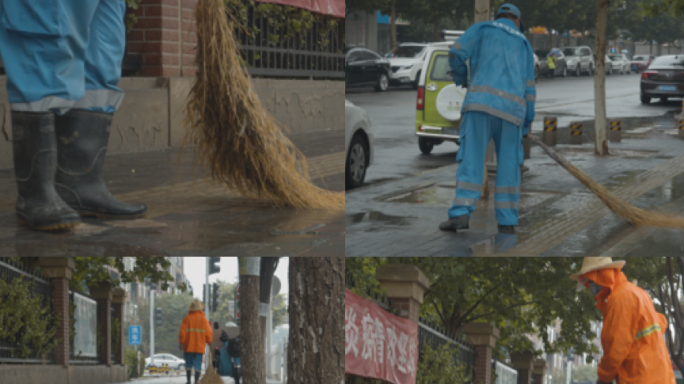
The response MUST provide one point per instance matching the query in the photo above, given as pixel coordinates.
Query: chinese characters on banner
(378, 344)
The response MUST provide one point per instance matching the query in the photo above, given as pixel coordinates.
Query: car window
(669, 61)
(616, 58)
(353, 55)
(368, 55)
(440, 67)
(407, 51)
(636, 58)
(542, 52)
(571, 51)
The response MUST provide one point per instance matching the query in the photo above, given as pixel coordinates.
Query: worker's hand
(180, 346)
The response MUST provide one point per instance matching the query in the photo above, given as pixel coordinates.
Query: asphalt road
(392, 116)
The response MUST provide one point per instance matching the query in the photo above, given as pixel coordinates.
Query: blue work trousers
(63, 54)
(477, 129)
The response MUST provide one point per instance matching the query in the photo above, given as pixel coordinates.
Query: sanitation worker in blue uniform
(63, 63)
(499, 105)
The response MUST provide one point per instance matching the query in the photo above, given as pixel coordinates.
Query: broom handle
(554, 155)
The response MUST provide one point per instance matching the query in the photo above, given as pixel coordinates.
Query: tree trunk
(251, 340)
(316, 308)
(600, 78)
(393, 24)
(268, 267)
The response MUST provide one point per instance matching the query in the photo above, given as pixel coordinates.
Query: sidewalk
(180, 380)
(558, 215)
(188, 214)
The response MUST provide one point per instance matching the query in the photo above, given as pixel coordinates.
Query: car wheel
(645, 99)
(565, 72)
(663, 99)
(577, 71)
(383, 83)
(416, 81)
(355, 169)
(426, 145)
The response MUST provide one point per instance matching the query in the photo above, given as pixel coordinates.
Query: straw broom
(235, 138)
(634, 215)
(210, 376)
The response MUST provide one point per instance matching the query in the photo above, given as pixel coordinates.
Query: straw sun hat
(196, 305)
(594, 263)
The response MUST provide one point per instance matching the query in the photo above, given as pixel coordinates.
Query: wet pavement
(399, 213)
(188, 214)
(181, 380)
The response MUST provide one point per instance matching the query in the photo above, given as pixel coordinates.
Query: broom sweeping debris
(210, 376)
(634, 215)
(235, 137)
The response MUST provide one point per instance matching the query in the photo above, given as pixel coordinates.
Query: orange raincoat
(634, 350)
(195, 332)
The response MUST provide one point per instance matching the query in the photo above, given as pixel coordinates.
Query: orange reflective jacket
(634, 350)
(195, 332)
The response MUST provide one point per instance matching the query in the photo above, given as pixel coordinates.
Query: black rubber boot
(82, 138)
(189, 374)
(507, 229)
(35, 162)
(455, 223)
(197, 376)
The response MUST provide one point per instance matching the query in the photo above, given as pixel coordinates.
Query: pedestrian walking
(634, 348)
(195, 333)
(63, 64)
(499, 105)
(551, 63)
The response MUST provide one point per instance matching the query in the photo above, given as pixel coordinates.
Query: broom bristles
(634, 215)
(210, 376)
(235, 138)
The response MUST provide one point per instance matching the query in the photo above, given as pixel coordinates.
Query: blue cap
(509, 8)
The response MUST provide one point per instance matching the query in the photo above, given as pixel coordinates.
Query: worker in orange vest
(195, 333)
(634, 350)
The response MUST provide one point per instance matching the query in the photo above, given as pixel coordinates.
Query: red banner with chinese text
(326, 7)
(378, 344)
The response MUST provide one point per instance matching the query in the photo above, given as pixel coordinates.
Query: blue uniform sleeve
(530, 91)
(463, 49)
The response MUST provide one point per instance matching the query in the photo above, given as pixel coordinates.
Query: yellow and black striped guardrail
(615, 130)
(549, 134)
(576, 129)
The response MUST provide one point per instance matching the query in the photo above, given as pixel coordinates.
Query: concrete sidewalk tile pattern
(189, 214)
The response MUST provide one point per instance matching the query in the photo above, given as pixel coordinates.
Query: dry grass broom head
(210, 376)
(235, 137)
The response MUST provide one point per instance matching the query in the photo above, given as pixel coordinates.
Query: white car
(406, 61)
(358, 144)
(165, 358)
(610, 68)
(621, 63)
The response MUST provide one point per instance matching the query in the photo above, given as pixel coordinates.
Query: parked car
(641, 62)
(537, 66)
(406, 61)
(365, 67)
(561, 62)
(621, 63)
(166, 359)
(579, 60)
(609, 66)
(358, 144)
(663, 79)
(439, 100)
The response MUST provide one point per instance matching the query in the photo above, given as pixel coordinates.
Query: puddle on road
(440, 195)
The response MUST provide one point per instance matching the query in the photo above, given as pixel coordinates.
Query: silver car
(621, 63)
(579, 60)
(166, 359)
(358, 144)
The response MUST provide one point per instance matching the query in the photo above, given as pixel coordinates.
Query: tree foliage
(227, 294)
(174, 309)
(436, 366)
(584, 373)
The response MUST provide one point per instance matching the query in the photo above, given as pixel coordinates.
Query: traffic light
(158, 317)
(214, 265)
(214, 297)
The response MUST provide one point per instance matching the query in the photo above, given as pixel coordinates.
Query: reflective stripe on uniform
(510, 190)
(647, 331)
(497, 92)
(506, 204)
(466, 202)
(531, 83)
(492, 111)
(531, 97)
(195, 330)
(469, 186)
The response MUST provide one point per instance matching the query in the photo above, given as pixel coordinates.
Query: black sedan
(365, 67)
(663, 79)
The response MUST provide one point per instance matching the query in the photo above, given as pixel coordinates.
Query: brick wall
(164, 37)
(524, 376)
(60, 292)
(408, 308)
(104, 315)
(483, 366)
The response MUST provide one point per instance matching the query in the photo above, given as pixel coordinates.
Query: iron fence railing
(505, 374)
(436, 336)
(41, 287)
(86, 333)
(271, 50)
